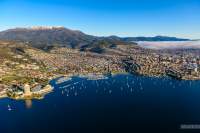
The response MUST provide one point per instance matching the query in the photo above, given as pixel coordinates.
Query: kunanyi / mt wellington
(99, 66)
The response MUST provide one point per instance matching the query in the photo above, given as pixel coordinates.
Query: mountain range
(46, 37)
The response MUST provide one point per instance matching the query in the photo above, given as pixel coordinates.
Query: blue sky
(107, 17)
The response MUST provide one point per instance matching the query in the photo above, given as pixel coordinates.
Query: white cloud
(170, 44)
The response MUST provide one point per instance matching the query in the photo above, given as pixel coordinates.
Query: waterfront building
(37, 88)
(192, 67)
(27, 90)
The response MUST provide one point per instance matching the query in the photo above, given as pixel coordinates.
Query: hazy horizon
(179, 18)
(91, 34)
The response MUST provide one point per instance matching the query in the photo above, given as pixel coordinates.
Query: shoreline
(40, 94)
(26, 94)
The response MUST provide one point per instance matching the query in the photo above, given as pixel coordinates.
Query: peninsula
(30, 58)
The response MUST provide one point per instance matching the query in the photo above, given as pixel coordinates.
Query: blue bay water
(119, 103)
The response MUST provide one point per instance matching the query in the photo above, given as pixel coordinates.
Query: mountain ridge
(45, 36)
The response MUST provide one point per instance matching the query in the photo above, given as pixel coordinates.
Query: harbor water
(121, 103)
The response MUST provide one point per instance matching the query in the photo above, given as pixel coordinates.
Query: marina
(127, 101)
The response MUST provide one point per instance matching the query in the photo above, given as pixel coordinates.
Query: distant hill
(156, 38)
(42, 37)
(47, 37)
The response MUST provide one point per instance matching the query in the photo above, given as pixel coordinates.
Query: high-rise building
(27, 90)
